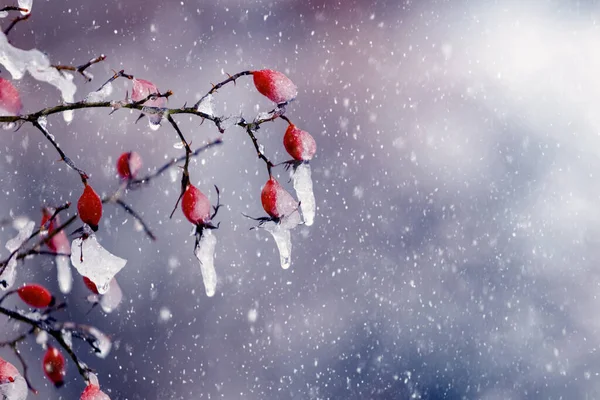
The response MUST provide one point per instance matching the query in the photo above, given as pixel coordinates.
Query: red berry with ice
(275, 85)
(299, 144)
(89, 207)
(128, 165)
(195, 205)
(276, 201)
(10, 101)
(92, 391)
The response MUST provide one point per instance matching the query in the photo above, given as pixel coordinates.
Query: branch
(219, 85)
(62, 154)
(135, 183)
(115, 200)
(13, 8)
(81, 68)
(54, 330)
(16, 21)
(185, 178)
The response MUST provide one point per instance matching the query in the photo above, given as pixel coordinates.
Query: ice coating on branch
(111, 299)
(99, 95)
(12, 383)
(303, 185)
(205, 253)
(207, 105)
(103, 343)
(18, 61)
(283, 238)
(28, 4)
(93, 261)
(64, 274)
(141, 89)
(25, 228)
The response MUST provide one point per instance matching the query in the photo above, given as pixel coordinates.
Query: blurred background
(454, 250)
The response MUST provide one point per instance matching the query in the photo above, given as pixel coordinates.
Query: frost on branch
(99, 95)
(303, 185)
(25, 228)
(12, 383)
(207, 105)
(27, 4)
(18, 61)
(93, 261)
(205, 253)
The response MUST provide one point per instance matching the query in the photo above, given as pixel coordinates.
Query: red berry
(10, 101)
(36, 296)
(89, 207)
(90, 285)
(275, 85)
(195, 205)
(54, 366)
(142, 88)
(299, 144)
(277, 201)
(59, 243)
(128, 165)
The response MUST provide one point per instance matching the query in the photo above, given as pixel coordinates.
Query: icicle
(283, 238)
(205, 253)
(64, 274)
(303, 185)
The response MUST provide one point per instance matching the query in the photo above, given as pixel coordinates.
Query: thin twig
(81, 68)
(15, 22)
(131, 212)
(219, 85)
(135, 183)
(13, 8)
(63, 156)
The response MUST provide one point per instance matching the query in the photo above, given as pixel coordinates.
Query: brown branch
(13, 8)
(115, 200)
(135, 183)
(185, 178)
(81, 68)
(15, 22)
(56, 331)
(219, 85)
(62, 154)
